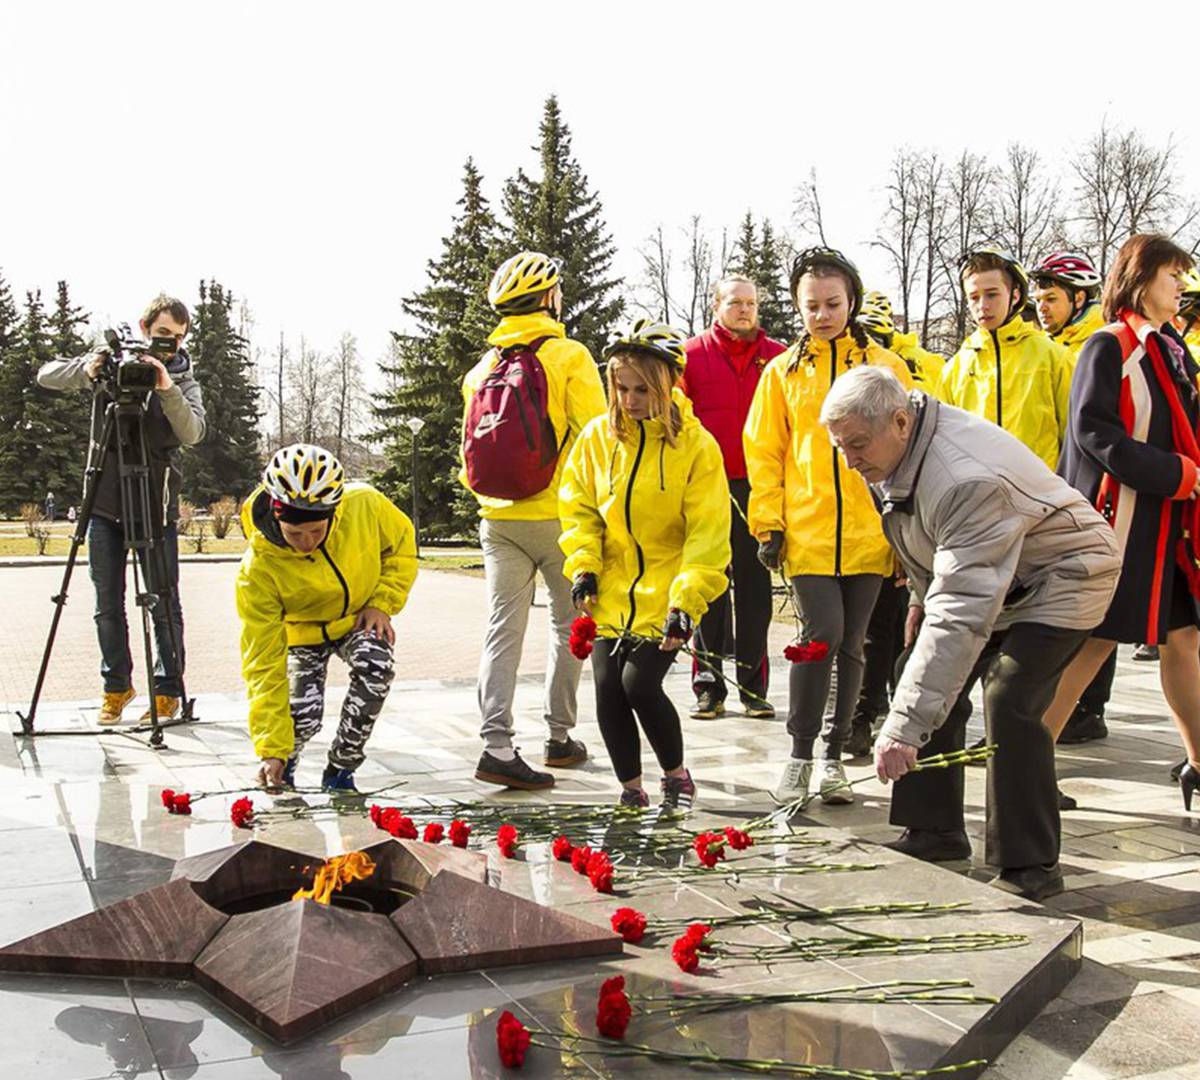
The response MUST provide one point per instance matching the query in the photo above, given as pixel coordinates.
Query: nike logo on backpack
(487, 424)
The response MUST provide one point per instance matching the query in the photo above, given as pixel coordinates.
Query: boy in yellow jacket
(519, 536)
(1008, 371)
(1065, 288)
(327, 566)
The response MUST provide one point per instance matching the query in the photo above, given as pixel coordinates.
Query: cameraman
(173, 417)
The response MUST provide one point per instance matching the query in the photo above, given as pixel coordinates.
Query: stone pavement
(91, 832)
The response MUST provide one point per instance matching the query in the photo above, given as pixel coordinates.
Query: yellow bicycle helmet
(1190, 300)
(648, 336)
(305, 477)
(517, 286)
(1018, 271)
(876, 314)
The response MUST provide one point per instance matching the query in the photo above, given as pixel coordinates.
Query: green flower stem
(773, 913)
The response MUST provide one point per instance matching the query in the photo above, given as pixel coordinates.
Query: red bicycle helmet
(1068, 268)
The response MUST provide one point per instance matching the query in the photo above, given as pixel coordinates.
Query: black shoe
(1083, 727)
(1189, 780)
(1177, 770)
(1031, 882)
(1148, 653)
(678, 795)
(758, 709)
(708, 706)
(979, 744)
(563, 753)
(513, 774)
(933, 845)
(1065, 802)
(861, 741)
(337, 780)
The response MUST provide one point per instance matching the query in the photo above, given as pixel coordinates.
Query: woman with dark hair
(814, 519)
(1131, 448)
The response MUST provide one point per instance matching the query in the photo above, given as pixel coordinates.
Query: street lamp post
(414, 425)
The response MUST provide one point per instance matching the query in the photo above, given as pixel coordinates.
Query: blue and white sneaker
(335, 779)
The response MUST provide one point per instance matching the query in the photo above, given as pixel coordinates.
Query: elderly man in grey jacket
(173, 416)
(1010, 569)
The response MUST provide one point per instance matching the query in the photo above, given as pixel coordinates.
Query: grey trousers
(513, 553)
(837, 611)
(371, 668)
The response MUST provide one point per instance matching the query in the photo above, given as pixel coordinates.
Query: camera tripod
(143, 520)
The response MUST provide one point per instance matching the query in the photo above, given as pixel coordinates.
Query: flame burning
(336, 872)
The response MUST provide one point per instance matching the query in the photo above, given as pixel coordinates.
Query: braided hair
(856, 330)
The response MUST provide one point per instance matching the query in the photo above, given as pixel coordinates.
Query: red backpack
(510, 448)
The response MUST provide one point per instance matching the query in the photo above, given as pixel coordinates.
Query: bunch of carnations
(583, 634)
(176, 802)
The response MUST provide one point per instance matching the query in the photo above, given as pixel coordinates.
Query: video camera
(124, 367)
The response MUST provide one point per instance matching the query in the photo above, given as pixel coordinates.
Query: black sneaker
(1083, 727)
(512, 774)
(861, 741)
(757, 709)
(1145, 652)
(678, 795)
(563, 753)
(708, 706)
(635, 797)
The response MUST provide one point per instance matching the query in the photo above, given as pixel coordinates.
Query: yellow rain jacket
(576, 395)
(798, 483)
(1017, 378)
(1192, 341)
(1072, 336)
(368, 559)
(924, 366)
(650, 520)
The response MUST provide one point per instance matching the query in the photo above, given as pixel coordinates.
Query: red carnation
(460, 832)
(696, 934)
(181, 803)
(612, 1009)
(506, 840)
(600, 871)
(167, 796)
(583, 633)
(434, 832)
(630, 924)
(806, 652)
(710, 848)
(512, 1039)
(683, 952)
(241, 813)
(579, 859)
(738, 840)
(375, 813)
(562, 849)
(399, 825)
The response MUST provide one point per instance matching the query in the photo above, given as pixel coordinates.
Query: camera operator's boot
(113, 705)
(167, 708)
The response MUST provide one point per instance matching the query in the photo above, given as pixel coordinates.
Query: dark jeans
(1020, 668)
(751, 593)
(106, 564)
(1095, 698)
(628, 682)
(884, 642)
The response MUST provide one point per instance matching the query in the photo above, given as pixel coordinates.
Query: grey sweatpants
(371, 668)
(514, 552)
(835, 610)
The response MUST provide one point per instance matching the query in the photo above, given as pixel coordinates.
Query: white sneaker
(835, 788)
(793, 784)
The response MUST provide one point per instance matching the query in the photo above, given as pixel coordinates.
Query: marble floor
(81, 825)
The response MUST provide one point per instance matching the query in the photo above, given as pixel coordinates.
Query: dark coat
(1154, 480)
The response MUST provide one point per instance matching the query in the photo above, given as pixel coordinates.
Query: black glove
(585, 586)
(678, 625)
(770, 551)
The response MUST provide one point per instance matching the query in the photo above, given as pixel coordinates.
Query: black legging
(628, 681)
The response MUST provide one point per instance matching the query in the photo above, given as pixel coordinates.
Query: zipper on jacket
(341, 581)
(629, 523)
(662, 449)
(837, 476)
(999, 382)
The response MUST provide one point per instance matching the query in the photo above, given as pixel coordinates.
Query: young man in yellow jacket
(327, 566)
(1065, 289)
(1008, 371)
(534, 389)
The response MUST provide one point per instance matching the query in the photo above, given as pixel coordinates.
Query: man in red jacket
(723, 366)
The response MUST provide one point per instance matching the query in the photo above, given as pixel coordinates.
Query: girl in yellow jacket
(814, 518)
(327, 566)
(645, 510)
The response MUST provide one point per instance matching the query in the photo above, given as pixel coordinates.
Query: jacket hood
(522, 329)
(656, 428)
(262, 530)
(1086, 323)
(1012, 332)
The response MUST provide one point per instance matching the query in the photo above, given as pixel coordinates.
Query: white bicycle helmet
(305, 477)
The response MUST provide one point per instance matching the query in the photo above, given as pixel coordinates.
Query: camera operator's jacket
(284, 597)
(174, 417)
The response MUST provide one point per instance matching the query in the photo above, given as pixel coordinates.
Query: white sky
(308, 155)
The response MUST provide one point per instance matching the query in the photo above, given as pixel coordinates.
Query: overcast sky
(308, 155)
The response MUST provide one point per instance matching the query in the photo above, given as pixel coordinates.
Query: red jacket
(720, 378)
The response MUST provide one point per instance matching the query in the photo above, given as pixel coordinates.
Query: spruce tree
(66, 340)
(227, 461)
(452, 320)
(13, 382)
(557, 214)
(775, 311)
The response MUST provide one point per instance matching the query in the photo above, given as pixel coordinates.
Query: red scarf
(740, 352)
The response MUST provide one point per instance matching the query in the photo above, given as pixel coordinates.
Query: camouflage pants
(370, 662)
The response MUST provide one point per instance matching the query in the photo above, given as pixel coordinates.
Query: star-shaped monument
(228, 920)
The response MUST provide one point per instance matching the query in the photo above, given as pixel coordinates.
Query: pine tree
(13, 382)
(776, 314)
(745, 250)
(227, 462)
(427, 368)
(557, 214)
(76, 412)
